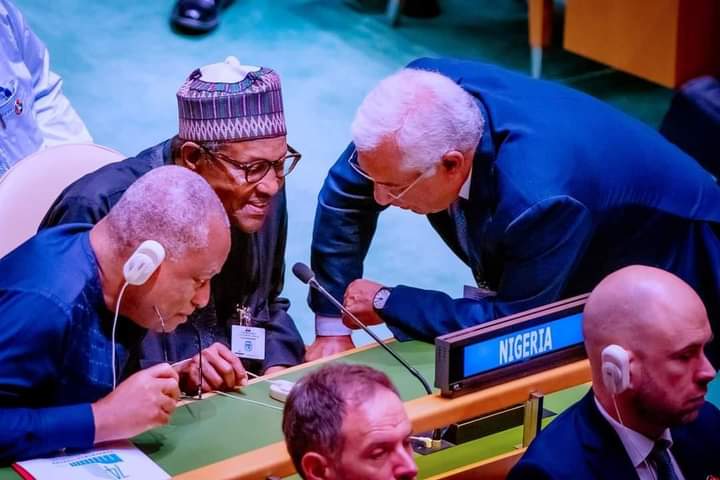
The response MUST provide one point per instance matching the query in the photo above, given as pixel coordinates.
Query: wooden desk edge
(426, 413)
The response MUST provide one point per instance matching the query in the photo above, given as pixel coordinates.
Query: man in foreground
(646, 416)
(348, 422)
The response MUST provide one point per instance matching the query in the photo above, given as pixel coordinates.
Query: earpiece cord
(617, 412)
(117, 313)
(164, 339)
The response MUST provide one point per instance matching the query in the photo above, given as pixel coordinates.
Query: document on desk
(110, 461)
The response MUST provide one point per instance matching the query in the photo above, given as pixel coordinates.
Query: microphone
(307, 276)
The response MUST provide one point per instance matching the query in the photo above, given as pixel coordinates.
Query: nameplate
(510, 347)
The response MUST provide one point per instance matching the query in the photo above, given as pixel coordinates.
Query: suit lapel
(605, 452)
(691, 452)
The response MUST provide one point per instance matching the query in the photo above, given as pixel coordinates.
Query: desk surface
(218, 428)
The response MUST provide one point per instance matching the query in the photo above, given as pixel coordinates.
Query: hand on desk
(328, 345)
(144, 401)
(221, 370)
(358, 299)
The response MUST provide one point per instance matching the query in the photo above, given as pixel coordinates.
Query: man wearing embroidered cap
(232, 132)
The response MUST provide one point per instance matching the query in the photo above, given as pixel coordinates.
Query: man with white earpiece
(646, 416)
(77, 299)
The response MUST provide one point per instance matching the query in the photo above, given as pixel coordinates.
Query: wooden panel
(495, 468)
(698, 51)
(665, 41)
(540, 22)
(636, 36)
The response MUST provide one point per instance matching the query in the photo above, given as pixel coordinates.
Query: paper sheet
(110, 461)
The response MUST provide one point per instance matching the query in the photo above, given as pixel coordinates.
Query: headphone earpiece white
(137, 270)
(143, 262)
(615, 369)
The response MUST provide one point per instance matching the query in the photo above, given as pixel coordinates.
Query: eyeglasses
(396, 193)
(256, 171)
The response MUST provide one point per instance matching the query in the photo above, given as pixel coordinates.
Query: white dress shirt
(638, 447)
(34, 113)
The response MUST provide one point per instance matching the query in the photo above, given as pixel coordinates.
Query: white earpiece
(137, 270)
(143, 262)
(615, 369)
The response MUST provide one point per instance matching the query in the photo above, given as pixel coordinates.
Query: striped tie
(660, 457)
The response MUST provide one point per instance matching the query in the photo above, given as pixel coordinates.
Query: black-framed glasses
(255, 171)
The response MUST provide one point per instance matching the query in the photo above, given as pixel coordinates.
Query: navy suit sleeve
(31, 345)
(74, 209)
(528, 471)
(540, 250)
(345, 222)
(283, 344)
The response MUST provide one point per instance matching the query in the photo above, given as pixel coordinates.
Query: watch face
(380, 298)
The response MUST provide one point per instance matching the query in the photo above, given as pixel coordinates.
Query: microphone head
(303, 272)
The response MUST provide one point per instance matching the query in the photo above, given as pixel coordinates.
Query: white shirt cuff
(326, 326)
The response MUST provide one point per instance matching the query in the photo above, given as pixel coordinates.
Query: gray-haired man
(58, 334)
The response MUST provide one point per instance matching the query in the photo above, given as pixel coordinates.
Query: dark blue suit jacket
(581, 444)
(565, 189)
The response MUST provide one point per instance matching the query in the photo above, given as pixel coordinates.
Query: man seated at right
(348, 422)
(646, 416)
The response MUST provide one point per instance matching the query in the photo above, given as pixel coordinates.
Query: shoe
(197, 16)
(421, 8)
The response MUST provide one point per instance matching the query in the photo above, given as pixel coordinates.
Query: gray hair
(425, 113)
(171, 205)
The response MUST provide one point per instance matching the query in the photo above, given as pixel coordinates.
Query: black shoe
(421, 8)
(197, 16)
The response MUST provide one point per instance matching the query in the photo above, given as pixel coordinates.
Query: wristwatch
(381, 298)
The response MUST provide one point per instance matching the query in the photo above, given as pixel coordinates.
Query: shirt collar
(637, 445)
(465, 189)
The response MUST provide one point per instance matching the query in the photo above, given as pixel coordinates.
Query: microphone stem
(313, 283)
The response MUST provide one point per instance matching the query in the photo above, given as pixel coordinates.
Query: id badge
(248, 342)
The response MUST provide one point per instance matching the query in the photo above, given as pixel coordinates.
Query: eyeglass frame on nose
(270, 164)
(387, 188)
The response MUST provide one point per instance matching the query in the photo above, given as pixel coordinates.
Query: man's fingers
(169, 387)
(167, 404)
(239, 373)
(223, 368)
(211, 379)
(162, 370)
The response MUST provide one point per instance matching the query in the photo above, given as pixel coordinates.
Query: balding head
(663, 325)
(178, 209)
(638, 308)
(170, 205)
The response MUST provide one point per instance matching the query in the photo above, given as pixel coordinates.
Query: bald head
(638, 308)
(663, 326)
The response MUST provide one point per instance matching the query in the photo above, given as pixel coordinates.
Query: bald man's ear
(190, 155)
(634, 371)
(315, 466)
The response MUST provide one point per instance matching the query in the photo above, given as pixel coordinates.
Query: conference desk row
(226, 438)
